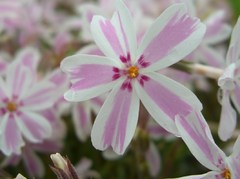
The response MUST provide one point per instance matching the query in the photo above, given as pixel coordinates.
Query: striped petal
(82, 120)
(115, 37)
(18, 79)
(233, 51)
(28, 57)
(164, 99)
(41, 96)
(117, 120)
(217, 29)
(34, 127)
(197, 136)
(228, 119)
(210, 56)
(33, 163)
(172, 37)
(11, 140)
(235, 96)
(90, 76)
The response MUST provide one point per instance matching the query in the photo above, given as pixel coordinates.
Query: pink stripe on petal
(33, 163)
(166, 100)
(175, 31)
(34, 127)
(110, 34)
(90, 75)
(11, 139)
(196, 134)
(116, 121)
(82, 120)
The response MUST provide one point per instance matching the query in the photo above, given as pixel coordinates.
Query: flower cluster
(123, 77)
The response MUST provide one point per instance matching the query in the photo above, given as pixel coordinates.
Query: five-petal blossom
(130, 72)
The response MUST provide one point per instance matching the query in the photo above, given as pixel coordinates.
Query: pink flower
(230, 85)
(129, 72)
(197, 135)
(21, 101)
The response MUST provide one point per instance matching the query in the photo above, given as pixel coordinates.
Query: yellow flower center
(133, 72)
(11, 106)
(226, 174)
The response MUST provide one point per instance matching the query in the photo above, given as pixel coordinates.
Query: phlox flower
(197, 136)
(129, 71)
(230, 85)
(21, 100)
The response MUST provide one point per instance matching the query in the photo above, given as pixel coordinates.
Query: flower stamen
(11, 106)
(226, 174)
(133, 72)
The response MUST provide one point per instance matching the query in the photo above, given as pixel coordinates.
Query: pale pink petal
(87, 12)
(11, 140)
(194, 177)
(211, 57)
(34, 127)
(234, 51)
(234, 159)
(28, 57)
(153, 160)
(90, 76)
(165, 98)
(228, 118)
(217, 29)
(196, 134)
(47, 146)
(18, 79)
(40, 96)
(3, 66)
(91, 50)
(33, 163)
(4, 92)
(226, 81)
(82, 120)
(117, 37)
(172, 37)
(117, 120)
(235, 96)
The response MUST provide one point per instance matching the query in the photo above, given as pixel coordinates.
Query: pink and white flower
(21, 100)
(129, 71)
(230, 84)
(197, 136)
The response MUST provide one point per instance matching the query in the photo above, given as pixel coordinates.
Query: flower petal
(28, 57)
(117, 37)
(172, 37)
(197, 136)
(11, 140)
(33, 163)
(153, 160)
(18, 79)
(82, 120)
(91, 50)
(235, 96)
(117, 120)
(41, 96)
(234, 51)
(226, 80)
(34, 127)
(164, 98)
(90, 76)
(234, 159)
(211, 57)
(217, 29)
(228, 119)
